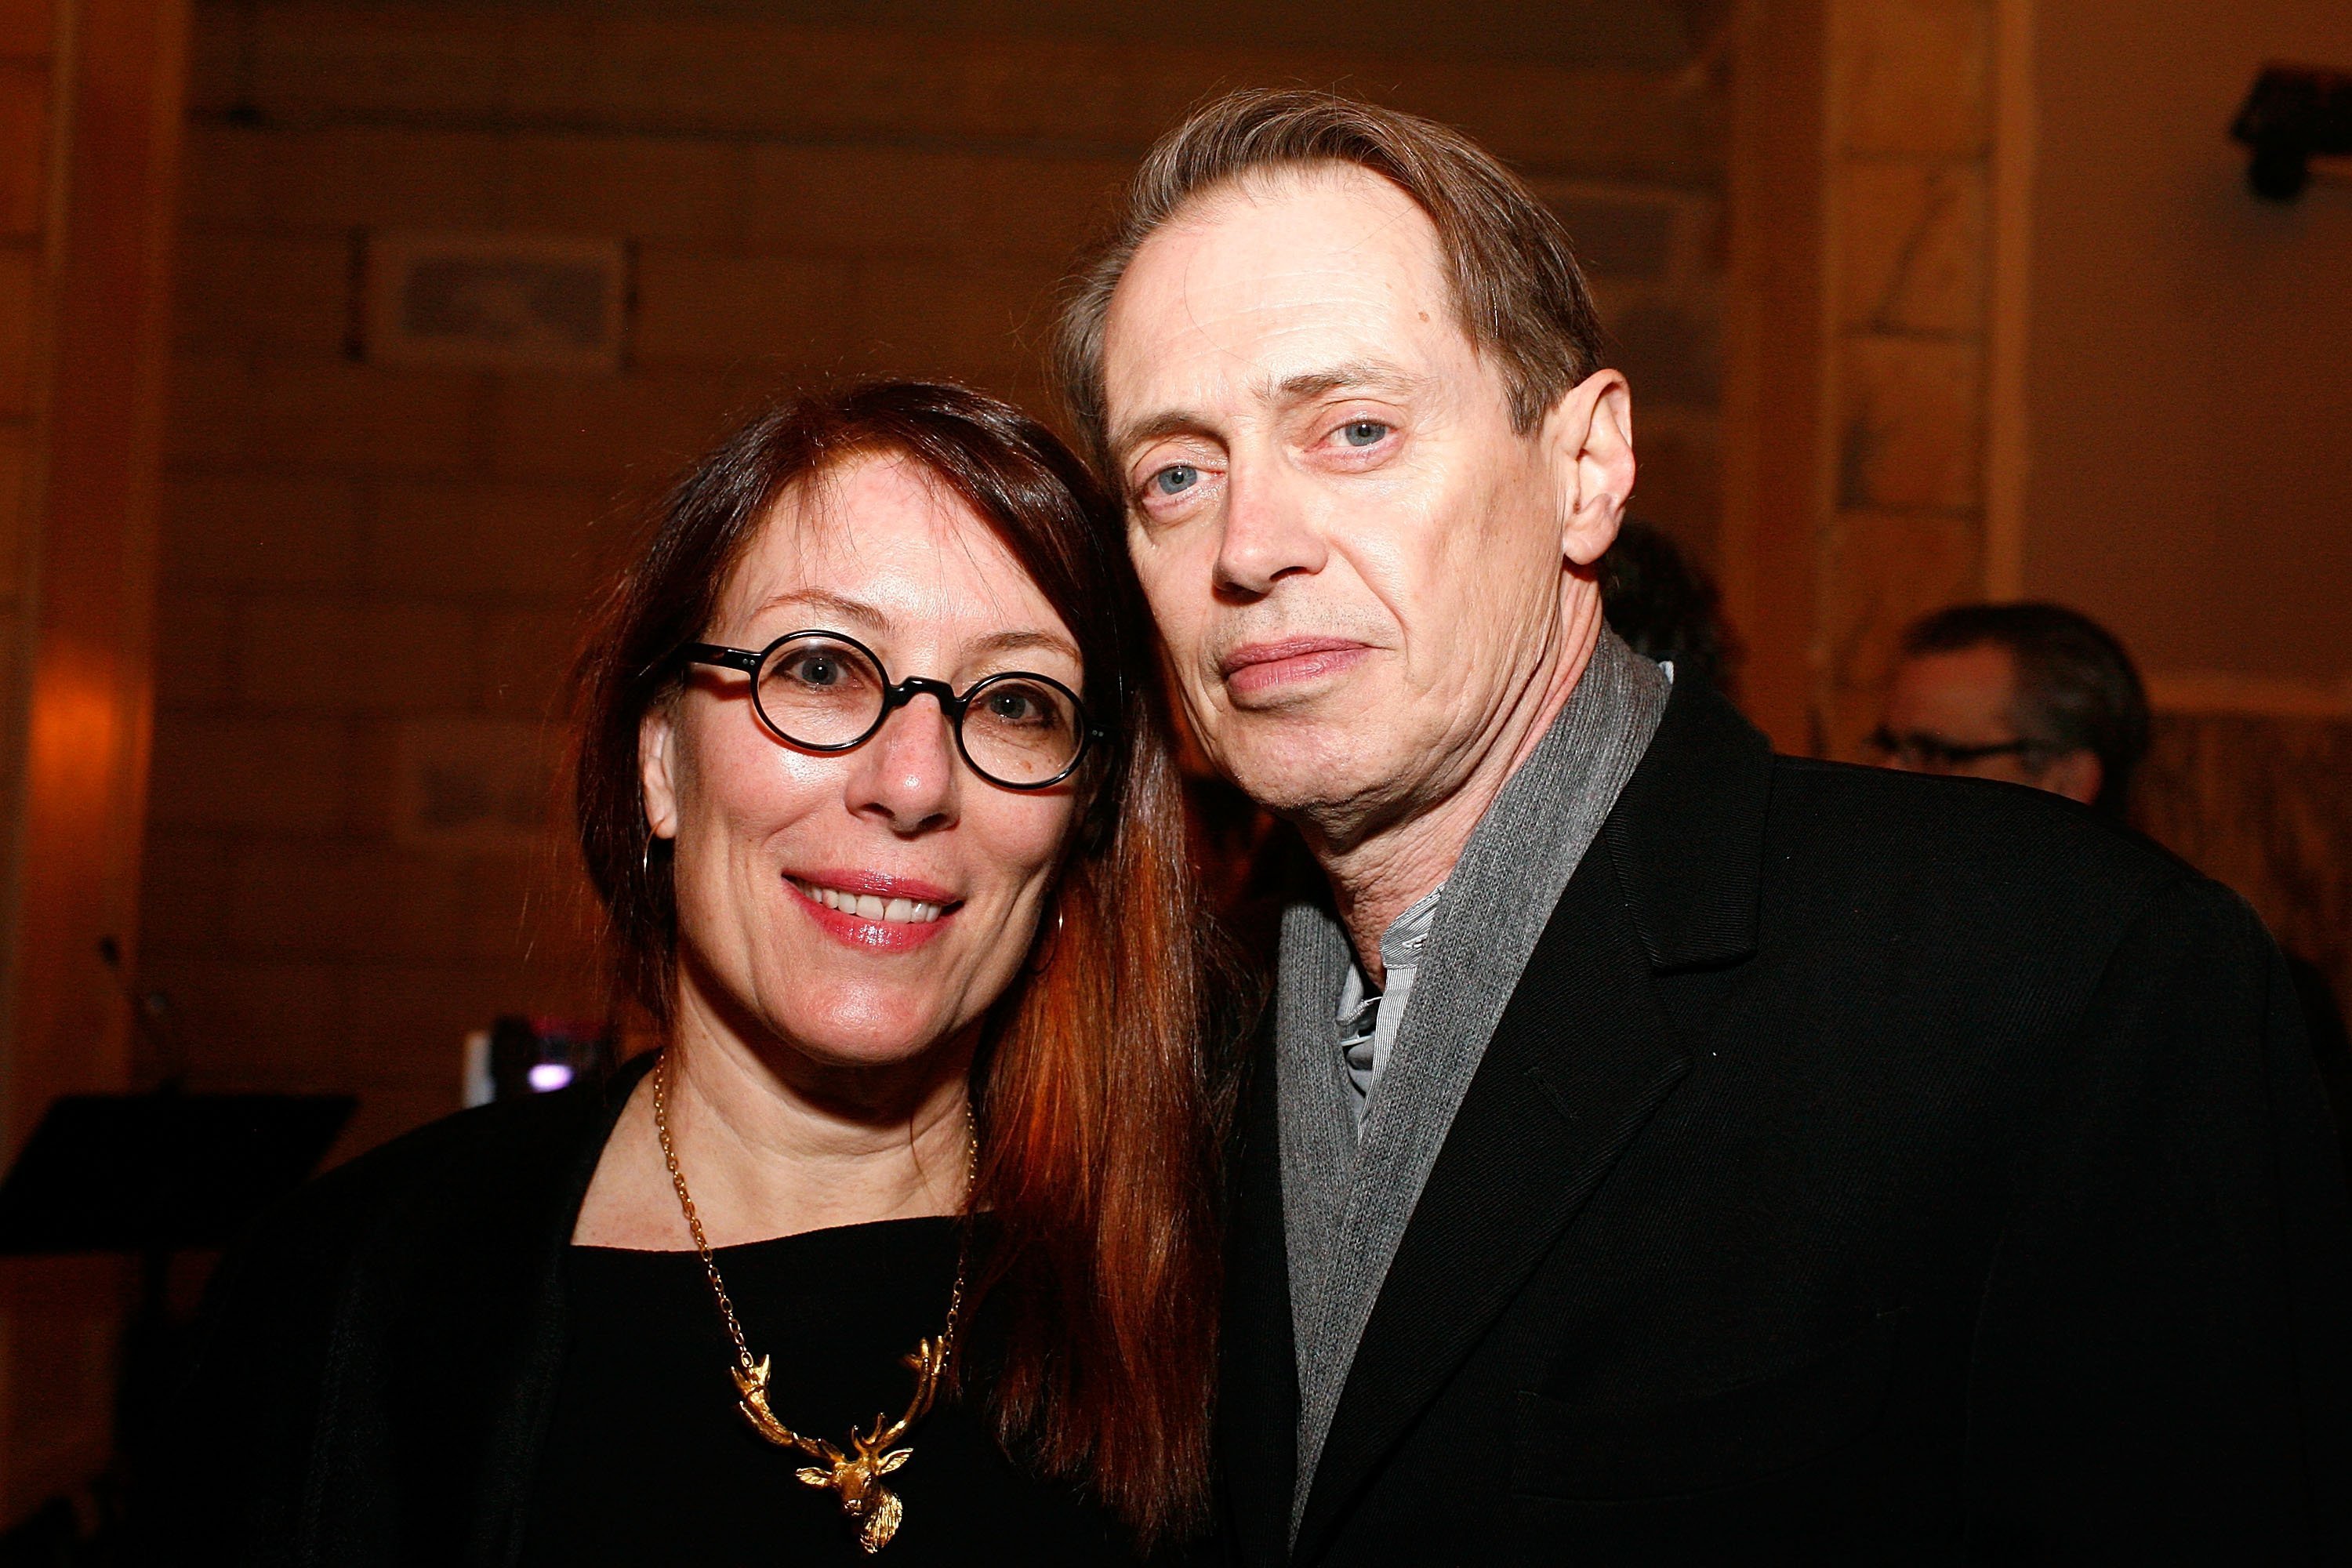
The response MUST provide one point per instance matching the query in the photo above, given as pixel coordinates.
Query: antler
(752, 1385)
(929, 1359)
(855, 1478)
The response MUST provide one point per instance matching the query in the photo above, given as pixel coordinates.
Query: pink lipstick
(873, 909)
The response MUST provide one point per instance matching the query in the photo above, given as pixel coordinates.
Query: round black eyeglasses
(823, 692)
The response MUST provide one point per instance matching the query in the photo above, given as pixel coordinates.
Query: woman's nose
(906, 773)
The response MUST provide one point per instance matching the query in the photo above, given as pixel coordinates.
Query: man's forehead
(1956, 686)
(1275, 279)
(1982, 666)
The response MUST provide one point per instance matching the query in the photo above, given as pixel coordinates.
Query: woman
(900, 1243)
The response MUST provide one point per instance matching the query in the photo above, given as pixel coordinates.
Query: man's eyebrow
(1158, 428)
(1360, 376)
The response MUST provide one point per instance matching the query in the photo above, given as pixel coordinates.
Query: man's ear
(1588, 436)
(657, 737)
(2076, 774)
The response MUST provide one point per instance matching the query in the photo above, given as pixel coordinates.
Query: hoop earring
(1041, 959)
(646, 857)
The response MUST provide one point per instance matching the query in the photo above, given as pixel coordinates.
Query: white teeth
(870, 907)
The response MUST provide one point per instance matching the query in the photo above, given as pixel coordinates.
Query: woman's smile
(872, 911)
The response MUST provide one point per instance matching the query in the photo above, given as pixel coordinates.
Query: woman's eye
(1175, 479)
(814, 670)
(1363, 432)
(1012, 707)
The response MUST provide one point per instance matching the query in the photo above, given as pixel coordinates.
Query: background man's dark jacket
(1868, 1168)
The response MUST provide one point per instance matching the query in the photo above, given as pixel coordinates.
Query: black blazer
(1867, 1169)
(381, 1360)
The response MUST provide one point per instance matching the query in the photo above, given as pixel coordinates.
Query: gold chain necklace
(854, 1477)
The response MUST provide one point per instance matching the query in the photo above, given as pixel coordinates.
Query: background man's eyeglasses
(823, 691)
(1930, 754)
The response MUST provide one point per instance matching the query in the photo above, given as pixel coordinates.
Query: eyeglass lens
(820, 693)
(828, 694)
(1019, 731)
(1926, 753)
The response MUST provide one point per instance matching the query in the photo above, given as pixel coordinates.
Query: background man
(2035, 694)
(1660, 1150)
(2042, 695)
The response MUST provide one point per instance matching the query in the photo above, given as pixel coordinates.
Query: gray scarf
(1346, 1201)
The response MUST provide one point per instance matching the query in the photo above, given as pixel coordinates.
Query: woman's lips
(870, 910)
(1261, 666)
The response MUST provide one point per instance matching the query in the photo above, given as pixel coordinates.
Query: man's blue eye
(1176, 479)
(1363, 432)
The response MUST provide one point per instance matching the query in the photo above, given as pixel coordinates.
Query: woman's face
(862, 906)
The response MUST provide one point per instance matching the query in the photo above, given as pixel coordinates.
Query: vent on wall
(497, 301)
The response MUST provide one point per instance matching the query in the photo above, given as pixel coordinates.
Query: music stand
(162, 1172)
(153, 1174)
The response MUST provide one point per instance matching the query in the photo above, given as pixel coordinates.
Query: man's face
(1954, 712)
(1356, 565)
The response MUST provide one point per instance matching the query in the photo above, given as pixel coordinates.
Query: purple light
(547, 1077)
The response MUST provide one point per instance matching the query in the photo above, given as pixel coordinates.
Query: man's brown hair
(1517, 293)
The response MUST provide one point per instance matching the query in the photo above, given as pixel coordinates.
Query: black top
(648, 1461)
(410, 1363)
(1867, 1169)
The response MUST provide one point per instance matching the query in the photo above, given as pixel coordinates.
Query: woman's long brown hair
(1090, 1088)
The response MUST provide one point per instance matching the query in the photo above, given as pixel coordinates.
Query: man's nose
(1268, 532)
(907, 774)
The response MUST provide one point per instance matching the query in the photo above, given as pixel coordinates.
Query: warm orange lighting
(78, 723)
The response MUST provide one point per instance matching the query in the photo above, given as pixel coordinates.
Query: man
(2042, 695)
(2035, 694)
(1660, 1150)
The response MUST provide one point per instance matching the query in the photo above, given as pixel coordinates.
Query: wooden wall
(369, 563)
(90, 106)
(2261, 802)
(1871, 355)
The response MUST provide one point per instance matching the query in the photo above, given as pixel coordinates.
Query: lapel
(1258, 1417)
(452, 1321)
(1583, 1056)
(520, 1410)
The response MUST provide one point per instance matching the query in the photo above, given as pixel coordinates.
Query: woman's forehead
(888, 535)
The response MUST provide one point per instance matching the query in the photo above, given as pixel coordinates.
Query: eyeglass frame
(1942, 756)
(896, 696)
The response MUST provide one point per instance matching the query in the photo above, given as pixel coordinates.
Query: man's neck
(1378, 877)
